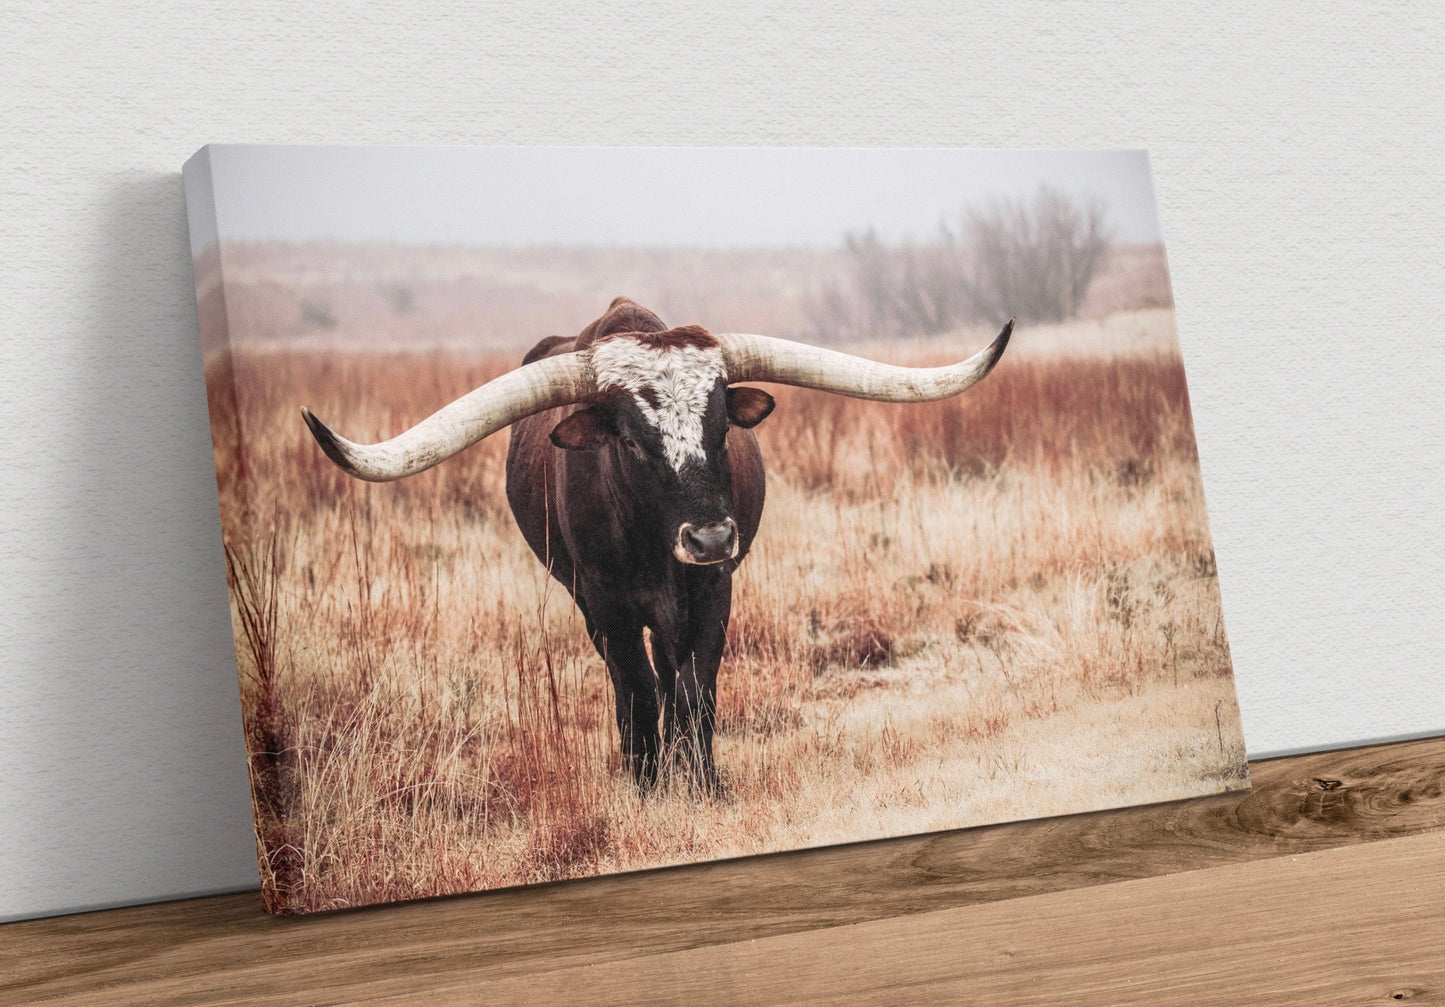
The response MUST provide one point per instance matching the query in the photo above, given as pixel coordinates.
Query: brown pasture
(997, 607)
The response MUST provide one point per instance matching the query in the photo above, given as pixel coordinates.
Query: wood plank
(220, 948)
(1364, 924)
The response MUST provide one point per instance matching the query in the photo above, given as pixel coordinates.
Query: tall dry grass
(994, 607)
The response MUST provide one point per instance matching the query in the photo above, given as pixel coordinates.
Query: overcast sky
(691, 196)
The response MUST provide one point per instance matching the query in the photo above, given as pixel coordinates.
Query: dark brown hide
(598, 540)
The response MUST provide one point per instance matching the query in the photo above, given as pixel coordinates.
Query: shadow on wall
(134, 785)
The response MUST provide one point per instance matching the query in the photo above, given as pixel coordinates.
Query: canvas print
(592, 510)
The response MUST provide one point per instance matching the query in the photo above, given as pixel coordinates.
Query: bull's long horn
(531, 388)
(784, 362)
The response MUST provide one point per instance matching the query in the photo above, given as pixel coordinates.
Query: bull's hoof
(714, 788)
(645, 772)
(701, 783)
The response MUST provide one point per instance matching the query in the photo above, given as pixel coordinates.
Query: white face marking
(682, 379)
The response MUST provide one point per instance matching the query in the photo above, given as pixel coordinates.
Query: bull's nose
(707, 543)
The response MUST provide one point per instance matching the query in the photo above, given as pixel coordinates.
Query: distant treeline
(1046, 259)
(1034, 259)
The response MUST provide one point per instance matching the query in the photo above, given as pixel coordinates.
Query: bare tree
(892, 289)
(1031, 259)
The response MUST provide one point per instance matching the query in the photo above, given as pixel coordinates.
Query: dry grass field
(996, 607)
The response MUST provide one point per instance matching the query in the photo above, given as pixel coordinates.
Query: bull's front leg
(634, 689)
(693, 710)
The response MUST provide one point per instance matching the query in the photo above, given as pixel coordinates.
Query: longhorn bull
(635, 478)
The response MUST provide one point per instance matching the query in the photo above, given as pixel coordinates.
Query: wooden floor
(1324, 884)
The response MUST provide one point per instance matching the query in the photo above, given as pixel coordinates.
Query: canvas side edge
(227, 435)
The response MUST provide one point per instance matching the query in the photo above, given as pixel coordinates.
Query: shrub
(1031, 259)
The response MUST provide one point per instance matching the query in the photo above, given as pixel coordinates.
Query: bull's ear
(585, 430)
(747, 407)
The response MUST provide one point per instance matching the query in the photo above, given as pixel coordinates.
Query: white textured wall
(1298, 159)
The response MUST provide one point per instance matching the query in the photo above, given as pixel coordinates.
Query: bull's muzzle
(705, 544)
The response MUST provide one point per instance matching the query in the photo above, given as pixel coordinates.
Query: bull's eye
(629, 443)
